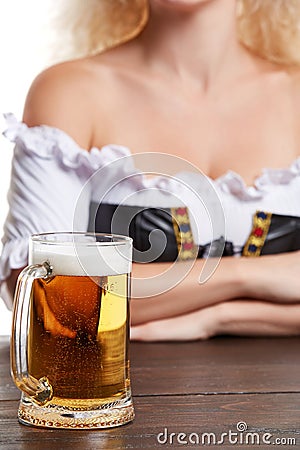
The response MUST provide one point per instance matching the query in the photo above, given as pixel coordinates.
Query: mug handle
(40, 391)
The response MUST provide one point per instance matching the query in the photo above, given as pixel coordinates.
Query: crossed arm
(245, 296)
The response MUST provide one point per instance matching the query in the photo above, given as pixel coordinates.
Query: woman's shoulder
(58, 97)
(75, 95)
(66, 95)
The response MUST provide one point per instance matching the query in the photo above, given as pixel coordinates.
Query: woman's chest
(242, 136)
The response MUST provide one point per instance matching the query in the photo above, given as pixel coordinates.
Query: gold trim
(254, 239)
(183, 238)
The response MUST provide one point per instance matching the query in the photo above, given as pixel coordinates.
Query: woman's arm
(155, 296)
(273, 278)
(239, 317)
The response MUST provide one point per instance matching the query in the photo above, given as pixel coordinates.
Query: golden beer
(71, 332)
(78, 338)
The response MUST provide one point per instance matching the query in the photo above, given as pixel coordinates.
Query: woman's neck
(197, 44)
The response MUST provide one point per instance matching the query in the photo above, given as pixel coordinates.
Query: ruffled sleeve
(48, 172)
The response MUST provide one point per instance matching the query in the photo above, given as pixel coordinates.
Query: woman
(187, 86)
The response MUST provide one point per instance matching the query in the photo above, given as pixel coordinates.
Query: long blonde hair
(269, 28)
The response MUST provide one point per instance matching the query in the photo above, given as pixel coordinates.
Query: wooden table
(192, 388)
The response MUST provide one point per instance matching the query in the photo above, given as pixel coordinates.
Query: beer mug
(69, 351)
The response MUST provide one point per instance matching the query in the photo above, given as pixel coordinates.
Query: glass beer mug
(70, 336)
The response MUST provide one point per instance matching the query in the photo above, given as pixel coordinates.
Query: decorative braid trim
(259, 232)
(187, 249)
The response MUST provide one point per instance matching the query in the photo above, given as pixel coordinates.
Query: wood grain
(264, 413)
(222, 365)
(185, 388)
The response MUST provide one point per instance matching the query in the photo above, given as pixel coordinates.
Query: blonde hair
(271, 29)
(90, 26)
(268, 28)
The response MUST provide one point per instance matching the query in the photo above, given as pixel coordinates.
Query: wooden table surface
(192, 388)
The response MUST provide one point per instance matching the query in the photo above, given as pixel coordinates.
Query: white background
(24, 49)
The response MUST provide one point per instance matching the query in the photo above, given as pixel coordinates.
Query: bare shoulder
(76, 95)
(62, 96)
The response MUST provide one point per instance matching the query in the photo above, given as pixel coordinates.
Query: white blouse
(53, 182)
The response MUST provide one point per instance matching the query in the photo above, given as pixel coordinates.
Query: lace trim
(49, 142)
(232, 183)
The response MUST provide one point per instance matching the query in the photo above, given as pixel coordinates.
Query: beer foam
(79, 260)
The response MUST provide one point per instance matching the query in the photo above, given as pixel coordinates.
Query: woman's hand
(239, 317)
(201, 324)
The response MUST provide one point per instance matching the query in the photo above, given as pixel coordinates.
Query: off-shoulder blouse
(50, 191)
